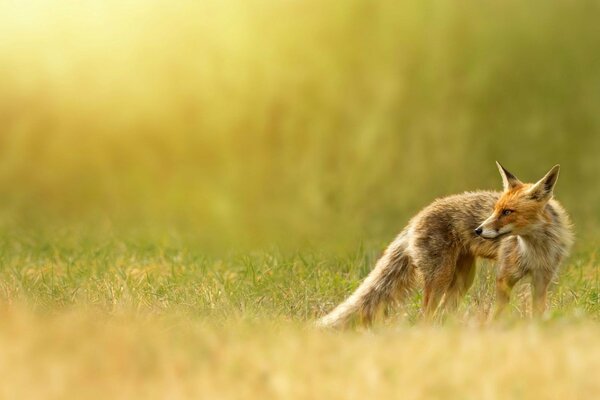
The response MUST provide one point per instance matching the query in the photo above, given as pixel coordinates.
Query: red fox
(523, 228)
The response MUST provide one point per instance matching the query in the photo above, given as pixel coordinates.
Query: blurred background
(290, 122)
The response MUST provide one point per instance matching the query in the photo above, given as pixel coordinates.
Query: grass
(134, 319)
(77, 355)
(293, 285)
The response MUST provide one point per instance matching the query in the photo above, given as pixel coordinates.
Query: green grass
(173, 276)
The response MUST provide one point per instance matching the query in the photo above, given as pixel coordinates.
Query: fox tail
(390, 281)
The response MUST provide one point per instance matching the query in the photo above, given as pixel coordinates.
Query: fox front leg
(505, 282)
(539, 290)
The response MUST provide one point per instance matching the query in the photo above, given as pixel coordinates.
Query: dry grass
(82, 355)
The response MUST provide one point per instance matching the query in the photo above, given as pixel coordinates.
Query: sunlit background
(267, 121)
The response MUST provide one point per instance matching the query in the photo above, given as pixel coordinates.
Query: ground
(145, 320)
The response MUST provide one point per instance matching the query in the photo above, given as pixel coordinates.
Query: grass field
(185, 188)
(162, 320)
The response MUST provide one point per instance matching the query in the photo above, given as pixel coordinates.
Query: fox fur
(527, 231)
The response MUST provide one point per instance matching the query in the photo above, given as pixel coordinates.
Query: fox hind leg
(437, 279)
(462, 281)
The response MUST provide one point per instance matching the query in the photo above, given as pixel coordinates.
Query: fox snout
(487, 233)
(491, 229)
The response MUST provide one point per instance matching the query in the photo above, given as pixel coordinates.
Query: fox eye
(506, 212)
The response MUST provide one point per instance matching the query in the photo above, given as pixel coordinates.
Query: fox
(523, 228)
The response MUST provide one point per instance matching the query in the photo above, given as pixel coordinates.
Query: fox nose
(479, 230)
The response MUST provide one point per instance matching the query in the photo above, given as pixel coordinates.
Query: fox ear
(509, 181)
(542, 190)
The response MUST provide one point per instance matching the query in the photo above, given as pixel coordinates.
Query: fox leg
(539, 289)
(437, 281)
(464, 276)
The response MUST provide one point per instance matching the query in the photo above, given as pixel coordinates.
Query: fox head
(519, 210)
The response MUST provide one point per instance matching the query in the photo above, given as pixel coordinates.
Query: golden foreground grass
(81, 354)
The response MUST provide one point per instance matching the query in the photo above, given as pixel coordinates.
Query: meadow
(185, 188)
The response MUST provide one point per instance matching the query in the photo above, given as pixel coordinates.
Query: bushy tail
(389, 281)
